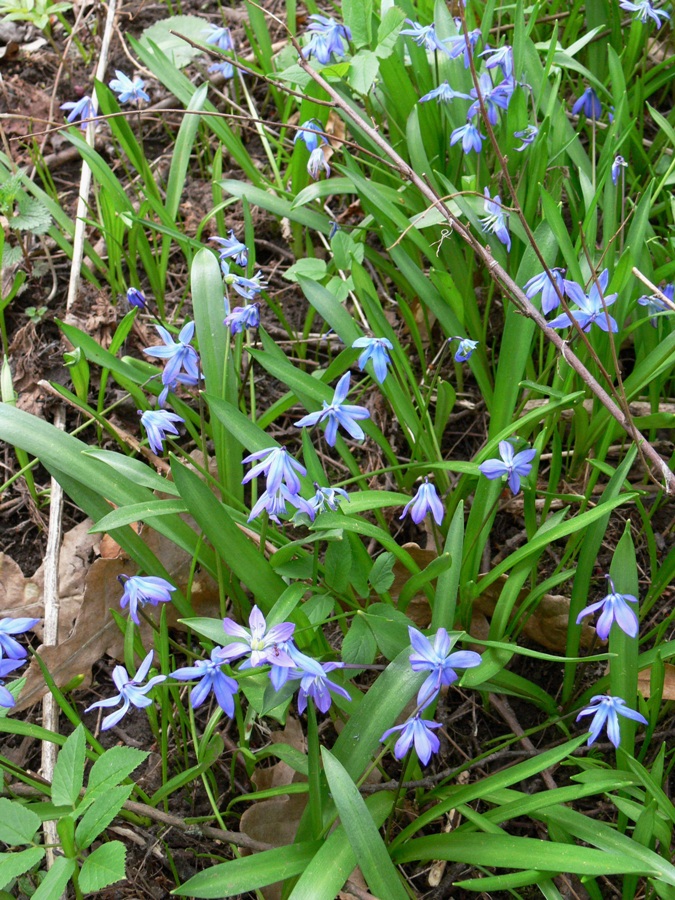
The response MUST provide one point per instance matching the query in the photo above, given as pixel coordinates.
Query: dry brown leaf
(644, 682)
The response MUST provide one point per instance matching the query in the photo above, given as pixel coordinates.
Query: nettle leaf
(69, 770)
(359, 645)
(103, 867)
(18, 824)
(32, 216)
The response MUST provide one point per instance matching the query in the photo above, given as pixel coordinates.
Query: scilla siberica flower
(80, 109)
(211, 677)
(419, 732)
(499, 56)
(220, 37)
(497, 219)
(337, 412)
(644, 10)
(6, 666)
(274, 503)
(132, 692)
(605, 711)
(614, 608)
(443, 94)
(326, 498)
(310, 134)
(158, 423)
(242, 317)
(326, 36)
(656, 304)
(438, 661)
(126, 89)
(232, 248)
(314, 682)
(527, 136)
(180, 355)
(426, 500)
(317, 161)
(8, 646)
(465, 348)
(494, 98)
(588, 104)
(514, 465)
(546, 286)
(248, 288)
(470, 136)
(425, 36)
(591, 307)
(181, 378)
(139, 590)
(278, 467)
(136, 298)
(618, 166)
(375, 350)
(459, 45)
(262, 644)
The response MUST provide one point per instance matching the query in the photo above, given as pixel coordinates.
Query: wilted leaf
(644, 682)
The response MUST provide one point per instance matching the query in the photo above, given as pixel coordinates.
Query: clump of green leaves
(37, 12)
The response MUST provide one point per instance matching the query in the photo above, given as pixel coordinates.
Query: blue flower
(248, 288)
(310, 134)
(614, 609)
(605, 711)
(588, 104)
(443, 94)
(274, 503)
(337, 412)
(139, 590)
(418, 731)
(426, 500)
(544, 284)
(8, 646)
(656, 304)
(514, 465)
(494, 98)
(497, 220)
(132, 692)
(220, 36)
(470, 136)
(314, 682)
(375, 350)
(438, 661)
(465, 349)
(136, 298)
(7, 666)
(181, 378)
(317, 161)
(211, 677)
(126, 89)
(425, 36)
(326, 36)
(81, 109)
(591, 309)
(278, 466)
(645, 10)
(242, 317)
(260, 642)
(459, 45)
(618, 164)
(180, 354)
(158, 423)
(325, 498)
(527, 136)
(499, 56)
(232, 248)
(226, 69)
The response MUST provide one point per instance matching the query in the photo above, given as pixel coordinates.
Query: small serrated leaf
(114, 766)
(33, 215)
(18, 824)
(69, 770)
(54, 883)
(100, 814)
(103, 867)
(14, 864)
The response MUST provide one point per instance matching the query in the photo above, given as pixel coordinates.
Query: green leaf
(100, 814)
(359, 645)
(338, 562)
(103, 867)
(69, 770)
(54, 883)
(358, 16)
(367, 844)
(417, 582)
(14, 864)
(382, 575)
(178, 51)
(33, 215)
(232, 878)
(114, 766)
(312, 268)
(388, 30)
(389, 626)
(18, 824)
(363, 71)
